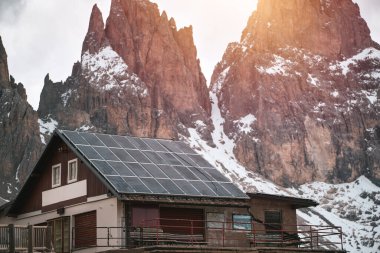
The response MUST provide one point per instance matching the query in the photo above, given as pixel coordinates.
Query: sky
(43, 36)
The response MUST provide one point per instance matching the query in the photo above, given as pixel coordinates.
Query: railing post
(341, 237)
(192, 231)
(49, 243)
(30, 239)
(12, 243)
(223, 231)
(108, 236)
(318, 237)
(311, 238)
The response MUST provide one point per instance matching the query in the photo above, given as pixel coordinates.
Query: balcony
(215, 234)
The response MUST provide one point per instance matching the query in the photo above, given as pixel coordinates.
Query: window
(273, 220)
(56, 175)
(72, 171)
(242, 222)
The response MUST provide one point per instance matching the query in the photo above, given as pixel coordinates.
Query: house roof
(294, 201)
(145, 166)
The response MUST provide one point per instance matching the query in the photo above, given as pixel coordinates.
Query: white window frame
(68, 171)
(53, 175)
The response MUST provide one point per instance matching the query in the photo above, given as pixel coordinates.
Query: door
(60, 234)
(85, 230)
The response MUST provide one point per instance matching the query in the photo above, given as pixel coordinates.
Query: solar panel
(122, 155)
(203, 188)
(185, 148)
(138, 169)
(153, 185)
(91, 139)
(170, 172)
(120, 184)
(200, 161)
(170, 145)
(218, 188)
(76, 138)
(121, 169)
(106, 153)
(138, 156)
(89, 152)
(169, 158)
(170, 186)
(155, 157)
(147, 166)
(104, 167)
(124, 142)
(155, 145)
(186, 160)
(186, 173)
(139, 143)
(187, 187)
(154, 170)
(137, 185)
(107, 140)
(201, 174)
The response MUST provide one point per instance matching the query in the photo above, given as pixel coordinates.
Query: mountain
(20, 143)
(138, 75)
(299, 94)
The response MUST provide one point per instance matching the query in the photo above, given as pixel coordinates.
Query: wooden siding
(181, 223)
(59, 153)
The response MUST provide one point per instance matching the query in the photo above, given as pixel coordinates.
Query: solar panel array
(152, 166)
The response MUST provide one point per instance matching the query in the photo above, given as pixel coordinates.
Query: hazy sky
(45, 36)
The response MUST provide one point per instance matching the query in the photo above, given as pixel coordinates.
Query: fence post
(30, 239)
(12, 241)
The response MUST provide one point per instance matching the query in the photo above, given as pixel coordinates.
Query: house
(98, 192)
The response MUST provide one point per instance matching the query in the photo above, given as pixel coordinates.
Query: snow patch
(220, 81)
(107, 68)
(312, 80)
(366, 54)
(371, 96)
(353, 206)
(47, 127)
(279, 67)
(65, 97)
(335, 93)
(244, 123)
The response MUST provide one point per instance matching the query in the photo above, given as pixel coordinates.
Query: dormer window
(72, 171)
(56, 175)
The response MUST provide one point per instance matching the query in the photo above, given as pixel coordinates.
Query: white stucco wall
(109, 213)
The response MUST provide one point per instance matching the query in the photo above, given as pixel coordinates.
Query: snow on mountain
(222, 156)
(47, 127)
(106, 67)
(353, 206)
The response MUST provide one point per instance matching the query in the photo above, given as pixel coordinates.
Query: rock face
(300, 93)
(20, 144)
(137, 75)
(4, 74)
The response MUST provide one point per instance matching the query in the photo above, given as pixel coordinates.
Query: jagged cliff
(20, 143)
(138, 75)
(299, 93)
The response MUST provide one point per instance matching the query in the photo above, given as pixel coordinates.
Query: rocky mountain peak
(299, 93)
(4, 74)
(19, 132)
(138, 75)
(310, 25)
(95, 35)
